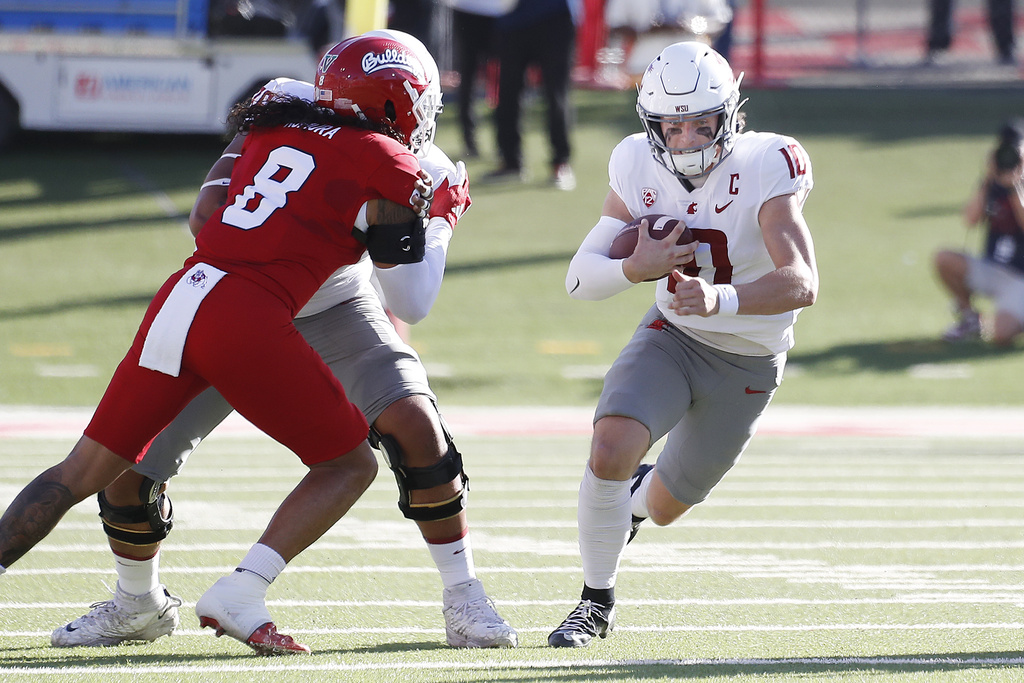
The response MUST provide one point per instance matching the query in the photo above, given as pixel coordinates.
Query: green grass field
(91, 226)
(820, 557)
(816, 559)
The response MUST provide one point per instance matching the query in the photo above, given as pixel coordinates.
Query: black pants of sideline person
(550, 45)
(474, 38)
(1000, 20)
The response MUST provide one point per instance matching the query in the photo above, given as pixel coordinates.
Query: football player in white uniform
(707, 358)
(346, 324)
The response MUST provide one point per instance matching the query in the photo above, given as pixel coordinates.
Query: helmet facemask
(688, 162)
(426, 108)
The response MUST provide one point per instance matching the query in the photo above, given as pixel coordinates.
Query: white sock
(138, 577)
(454, 560)
(264, 562)
(603, 517)
(638, 499)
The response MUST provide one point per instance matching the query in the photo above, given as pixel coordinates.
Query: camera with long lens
(1008, 152)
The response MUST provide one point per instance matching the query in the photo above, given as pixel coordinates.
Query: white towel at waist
(165, 341)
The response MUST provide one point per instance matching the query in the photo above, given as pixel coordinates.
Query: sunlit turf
(816, 559)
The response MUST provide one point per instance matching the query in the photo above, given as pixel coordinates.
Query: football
(659, 227)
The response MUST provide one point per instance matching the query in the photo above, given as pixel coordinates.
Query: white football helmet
(689, 81)
(428, 107)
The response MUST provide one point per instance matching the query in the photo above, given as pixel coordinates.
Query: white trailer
(86, 72)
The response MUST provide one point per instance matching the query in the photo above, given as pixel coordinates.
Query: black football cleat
(638, 477)
(587, 620)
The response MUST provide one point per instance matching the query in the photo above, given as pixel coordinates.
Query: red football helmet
(378, 79)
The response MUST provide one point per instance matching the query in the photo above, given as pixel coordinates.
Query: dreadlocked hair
(281, 111)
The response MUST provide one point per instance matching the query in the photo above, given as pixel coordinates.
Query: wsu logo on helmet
(392, 58)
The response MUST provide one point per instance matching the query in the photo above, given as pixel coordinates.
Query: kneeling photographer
(998, 274)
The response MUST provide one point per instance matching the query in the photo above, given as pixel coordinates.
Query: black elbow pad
(395, 242)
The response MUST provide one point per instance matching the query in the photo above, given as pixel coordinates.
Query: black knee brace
(417, 478)
(151, 511)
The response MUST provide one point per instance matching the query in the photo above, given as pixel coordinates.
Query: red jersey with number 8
(292, 203)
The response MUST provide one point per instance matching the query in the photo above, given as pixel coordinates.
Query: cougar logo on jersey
(649, 195)
(392, 59)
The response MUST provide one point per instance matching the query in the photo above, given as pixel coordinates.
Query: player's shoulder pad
(631, 147)
(776, 155)
(631, 151)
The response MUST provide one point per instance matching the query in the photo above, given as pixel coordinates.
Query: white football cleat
(123, 618)
(966, 328)
(470, 619)
(231, 608)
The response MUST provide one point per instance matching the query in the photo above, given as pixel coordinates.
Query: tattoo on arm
(386, 212)
(31, 516)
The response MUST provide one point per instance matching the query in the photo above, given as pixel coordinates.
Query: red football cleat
(268, 642)
(265, 640)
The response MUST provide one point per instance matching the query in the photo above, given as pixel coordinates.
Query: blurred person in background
(723, 41)
(473, 24)
(999, 273)
(418, 18)
(707, 358)
(1000, 20)
(640, 29)
(539, 33)
(323, 25)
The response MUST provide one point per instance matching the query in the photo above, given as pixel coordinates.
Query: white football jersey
(723, 217)
(346, 282)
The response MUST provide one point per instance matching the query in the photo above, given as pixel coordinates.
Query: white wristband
(728, 302)
(219, 182)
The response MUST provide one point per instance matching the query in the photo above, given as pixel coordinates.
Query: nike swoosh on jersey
(755, 391)
(577, 286)
(720, 209)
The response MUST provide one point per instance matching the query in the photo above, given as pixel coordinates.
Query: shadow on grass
(878, 666)
(385, 648)
(897, 356)
(505, 263)
(38, 231)
(504, 670)
(143, 299)
(140, 299)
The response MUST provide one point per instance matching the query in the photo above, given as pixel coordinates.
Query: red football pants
(243, 342)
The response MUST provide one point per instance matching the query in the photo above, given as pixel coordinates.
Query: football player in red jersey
(706, 359)
(314, 187)
(346, 324)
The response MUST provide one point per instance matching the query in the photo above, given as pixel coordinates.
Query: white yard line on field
(780, 420)
(959, 598)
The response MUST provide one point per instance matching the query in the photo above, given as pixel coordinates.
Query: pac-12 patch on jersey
(649, 195)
